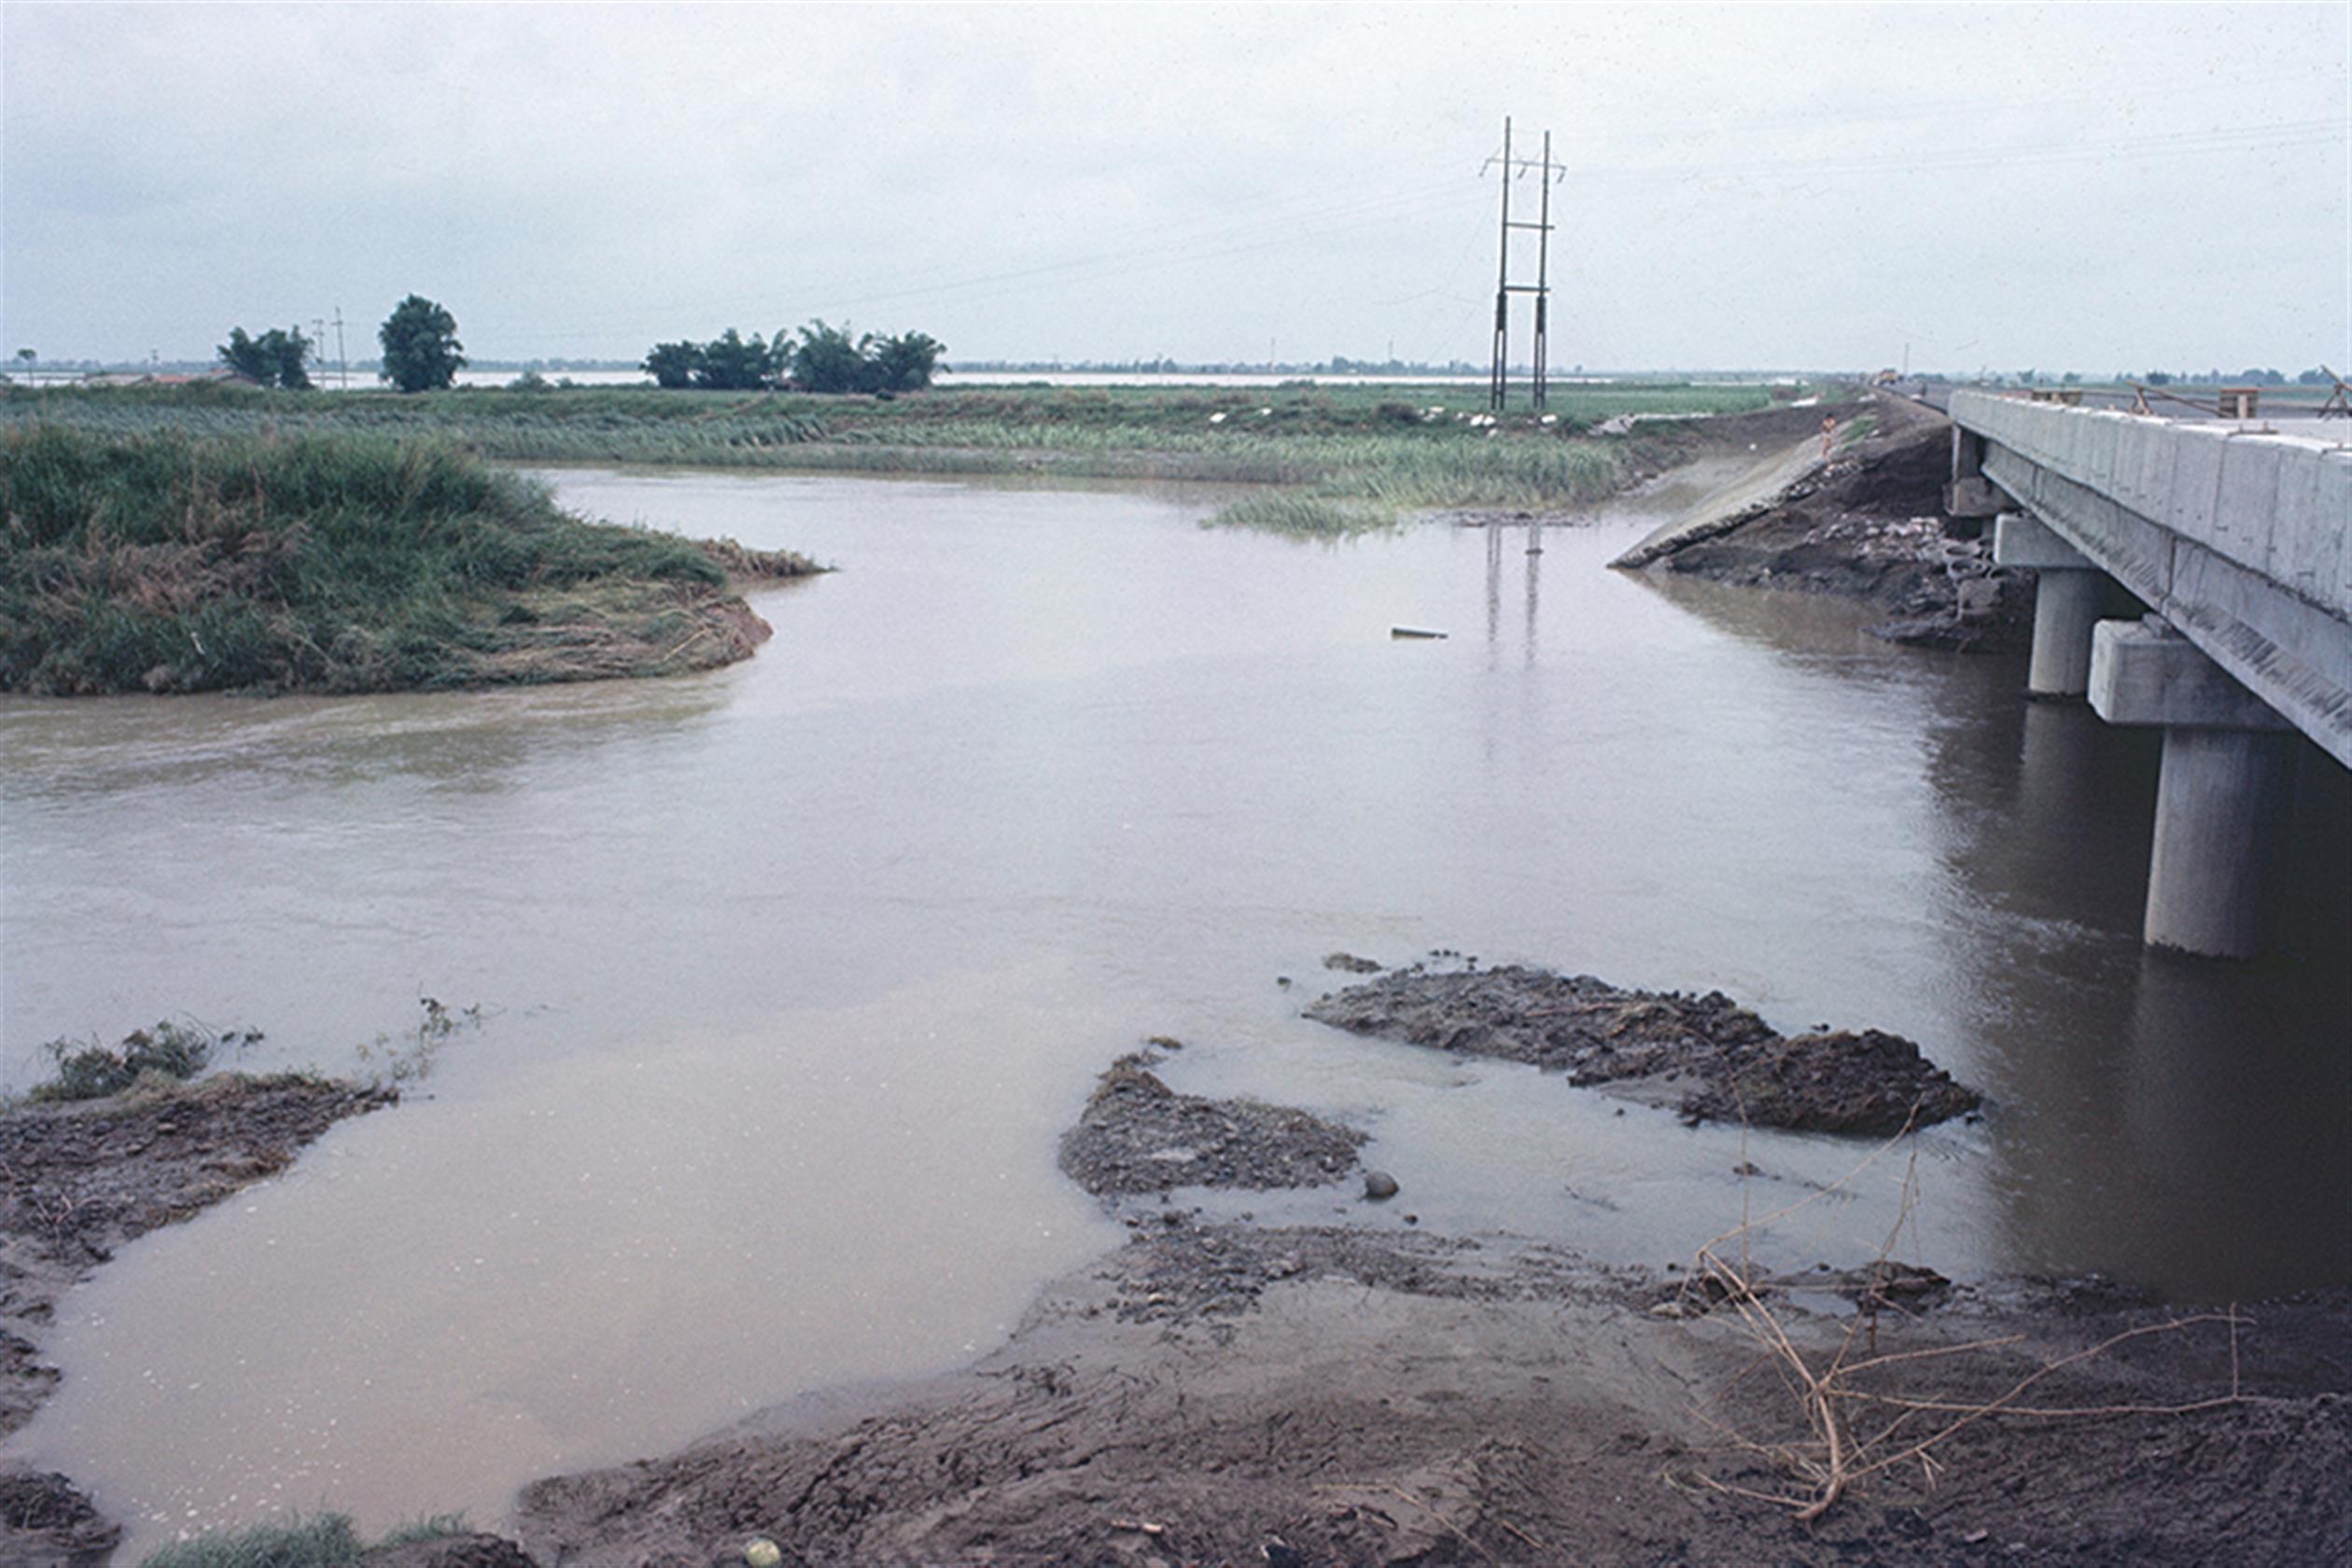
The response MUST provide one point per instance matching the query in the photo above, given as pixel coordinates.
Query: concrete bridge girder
(2272, 605)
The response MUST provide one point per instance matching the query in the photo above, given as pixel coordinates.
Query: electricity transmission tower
(1547, 175)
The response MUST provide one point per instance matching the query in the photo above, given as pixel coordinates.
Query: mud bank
(1868, 524)
(79, 1181)
(1706, 1056)
(1221, 1393)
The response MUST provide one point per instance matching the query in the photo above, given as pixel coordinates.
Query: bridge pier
(2070, 593)
(2224, 793)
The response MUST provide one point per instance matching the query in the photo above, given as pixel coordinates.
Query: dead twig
(1826, 1391)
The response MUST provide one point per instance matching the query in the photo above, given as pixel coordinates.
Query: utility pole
(1548, 173)
(343, 366)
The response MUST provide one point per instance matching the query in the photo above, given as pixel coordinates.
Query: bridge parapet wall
(2279, 505)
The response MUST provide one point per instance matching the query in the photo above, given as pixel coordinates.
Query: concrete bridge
(2234, 538)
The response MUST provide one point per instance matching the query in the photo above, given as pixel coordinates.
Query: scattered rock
(1712, 1057)
(1349, 963)
(1378, 1186)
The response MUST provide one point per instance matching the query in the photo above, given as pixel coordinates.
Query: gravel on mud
(1707, 1054)
(1138, 1135)
(80, 1179)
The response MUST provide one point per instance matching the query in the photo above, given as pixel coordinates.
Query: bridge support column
(2223, 797)
(2068, 594)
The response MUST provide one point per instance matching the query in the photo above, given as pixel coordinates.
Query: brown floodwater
(791, 974)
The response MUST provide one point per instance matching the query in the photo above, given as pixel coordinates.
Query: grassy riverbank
(1362, 454)
(173, 562)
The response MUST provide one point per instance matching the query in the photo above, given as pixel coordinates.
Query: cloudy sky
(2094, 188)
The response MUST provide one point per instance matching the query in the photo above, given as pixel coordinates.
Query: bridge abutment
(2224, 794)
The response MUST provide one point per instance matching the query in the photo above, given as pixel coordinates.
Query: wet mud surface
(79, 1181)
(1138, 1135)
(1222, 1394)
(1217, 1392)
(1707, 1055)
(1869, 525)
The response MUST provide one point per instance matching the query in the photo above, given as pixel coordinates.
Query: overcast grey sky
(2093, 188)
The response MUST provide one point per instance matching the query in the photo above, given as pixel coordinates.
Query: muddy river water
(790, 975)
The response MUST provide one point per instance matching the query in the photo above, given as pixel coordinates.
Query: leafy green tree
(421, 350)
(729, 364)
(904, 363)
(276, 358)
(826, 359)
(673, 364)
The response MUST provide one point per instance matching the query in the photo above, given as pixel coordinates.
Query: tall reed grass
(172, 561)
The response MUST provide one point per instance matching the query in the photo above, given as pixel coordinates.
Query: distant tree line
(2251, 376)
(816, 358)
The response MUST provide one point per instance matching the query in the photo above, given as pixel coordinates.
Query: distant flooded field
(792, 974)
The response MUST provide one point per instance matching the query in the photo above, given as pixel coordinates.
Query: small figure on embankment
(1861, 516)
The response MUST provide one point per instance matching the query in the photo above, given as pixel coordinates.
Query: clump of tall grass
(174, 562)
(321, 1541)
(1305, 516)
(88, 1070)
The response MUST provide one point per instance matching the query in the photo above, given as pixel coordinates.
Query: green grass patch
(323, 1541)
(171, 560)
(320, 1541)
(1305, 516)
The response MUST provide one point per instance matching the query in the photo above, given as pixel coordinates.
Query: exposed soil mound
(1139, 1135)
(78, 1181)
(1869, 525)
(467, 1549)
(45, 1520)
(1706, 1054)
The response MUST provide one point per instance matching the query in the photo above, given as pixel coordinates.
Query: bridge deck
(2239, 536)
